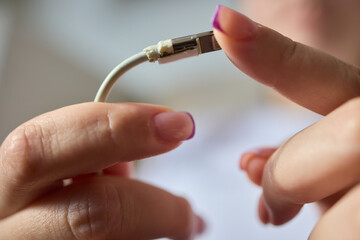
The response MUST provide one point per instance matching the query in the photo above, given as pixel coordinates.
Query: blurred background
(56, 53)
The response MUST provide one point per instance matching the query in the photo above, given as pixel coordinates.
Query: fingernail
(249, 157)
(245, 159)
(200, 225)
(233, 24)
(260, 153)
(215, 21)
(174, 126)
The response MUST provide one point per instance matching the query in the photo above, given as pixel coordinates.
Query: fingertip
(254, 161)
(174, 126)
(244, 160)
(200, 225)
(255, 169)
(233, 24)
(277, 210)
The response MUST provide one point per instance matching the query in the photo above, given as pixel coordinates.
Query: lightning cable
(165, 51)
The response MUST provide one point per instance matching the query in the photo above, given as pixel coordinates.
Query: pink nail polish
(193, 124)
(215, 21)
(234, 24)
(174, 126)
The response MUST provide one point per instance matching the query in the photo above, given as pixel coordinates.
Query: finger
(326, 203)
(342, 220)
(82, 139)
(253, 163)
(123, 169)
(104, 207)
(262, 211)
(316, 163)
(309, 77)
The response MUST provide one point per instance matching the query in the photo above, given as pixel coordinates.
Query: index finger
(307, 76)
(82, 139)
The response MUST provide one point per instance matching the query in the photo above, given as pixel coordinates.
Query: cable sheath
(116, 73)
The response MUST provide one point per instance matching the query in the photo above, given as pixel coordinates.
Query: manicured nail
(174, 126)
(215, 21)
(233, 24)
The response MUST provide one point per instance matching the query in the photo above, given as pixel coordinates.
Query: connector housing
(191, 45)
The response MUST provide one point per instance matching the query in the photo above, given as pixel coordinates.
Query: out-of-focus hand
(77, 141)
(320, 163)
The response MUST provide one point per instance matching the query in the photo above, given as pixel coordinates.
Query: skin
(329, 25)
(74, 142)
(37, 156)
(321, 163)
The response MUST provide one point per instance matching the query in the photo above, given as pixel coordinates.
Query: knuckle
(88, 215)
(292, 53)
(108, 127)
(20, 160)
(121, 128)
(27, 147)
(100, 130)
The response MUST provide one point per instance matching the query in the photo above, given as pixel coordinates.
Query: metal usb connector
(203, 42)
(178, 48)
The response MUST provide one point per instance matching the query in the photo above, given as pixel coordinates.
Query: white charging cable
(163, 52)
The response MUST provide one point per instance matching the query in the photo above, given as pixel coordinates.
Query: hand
(77, 141)
(320, 163)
